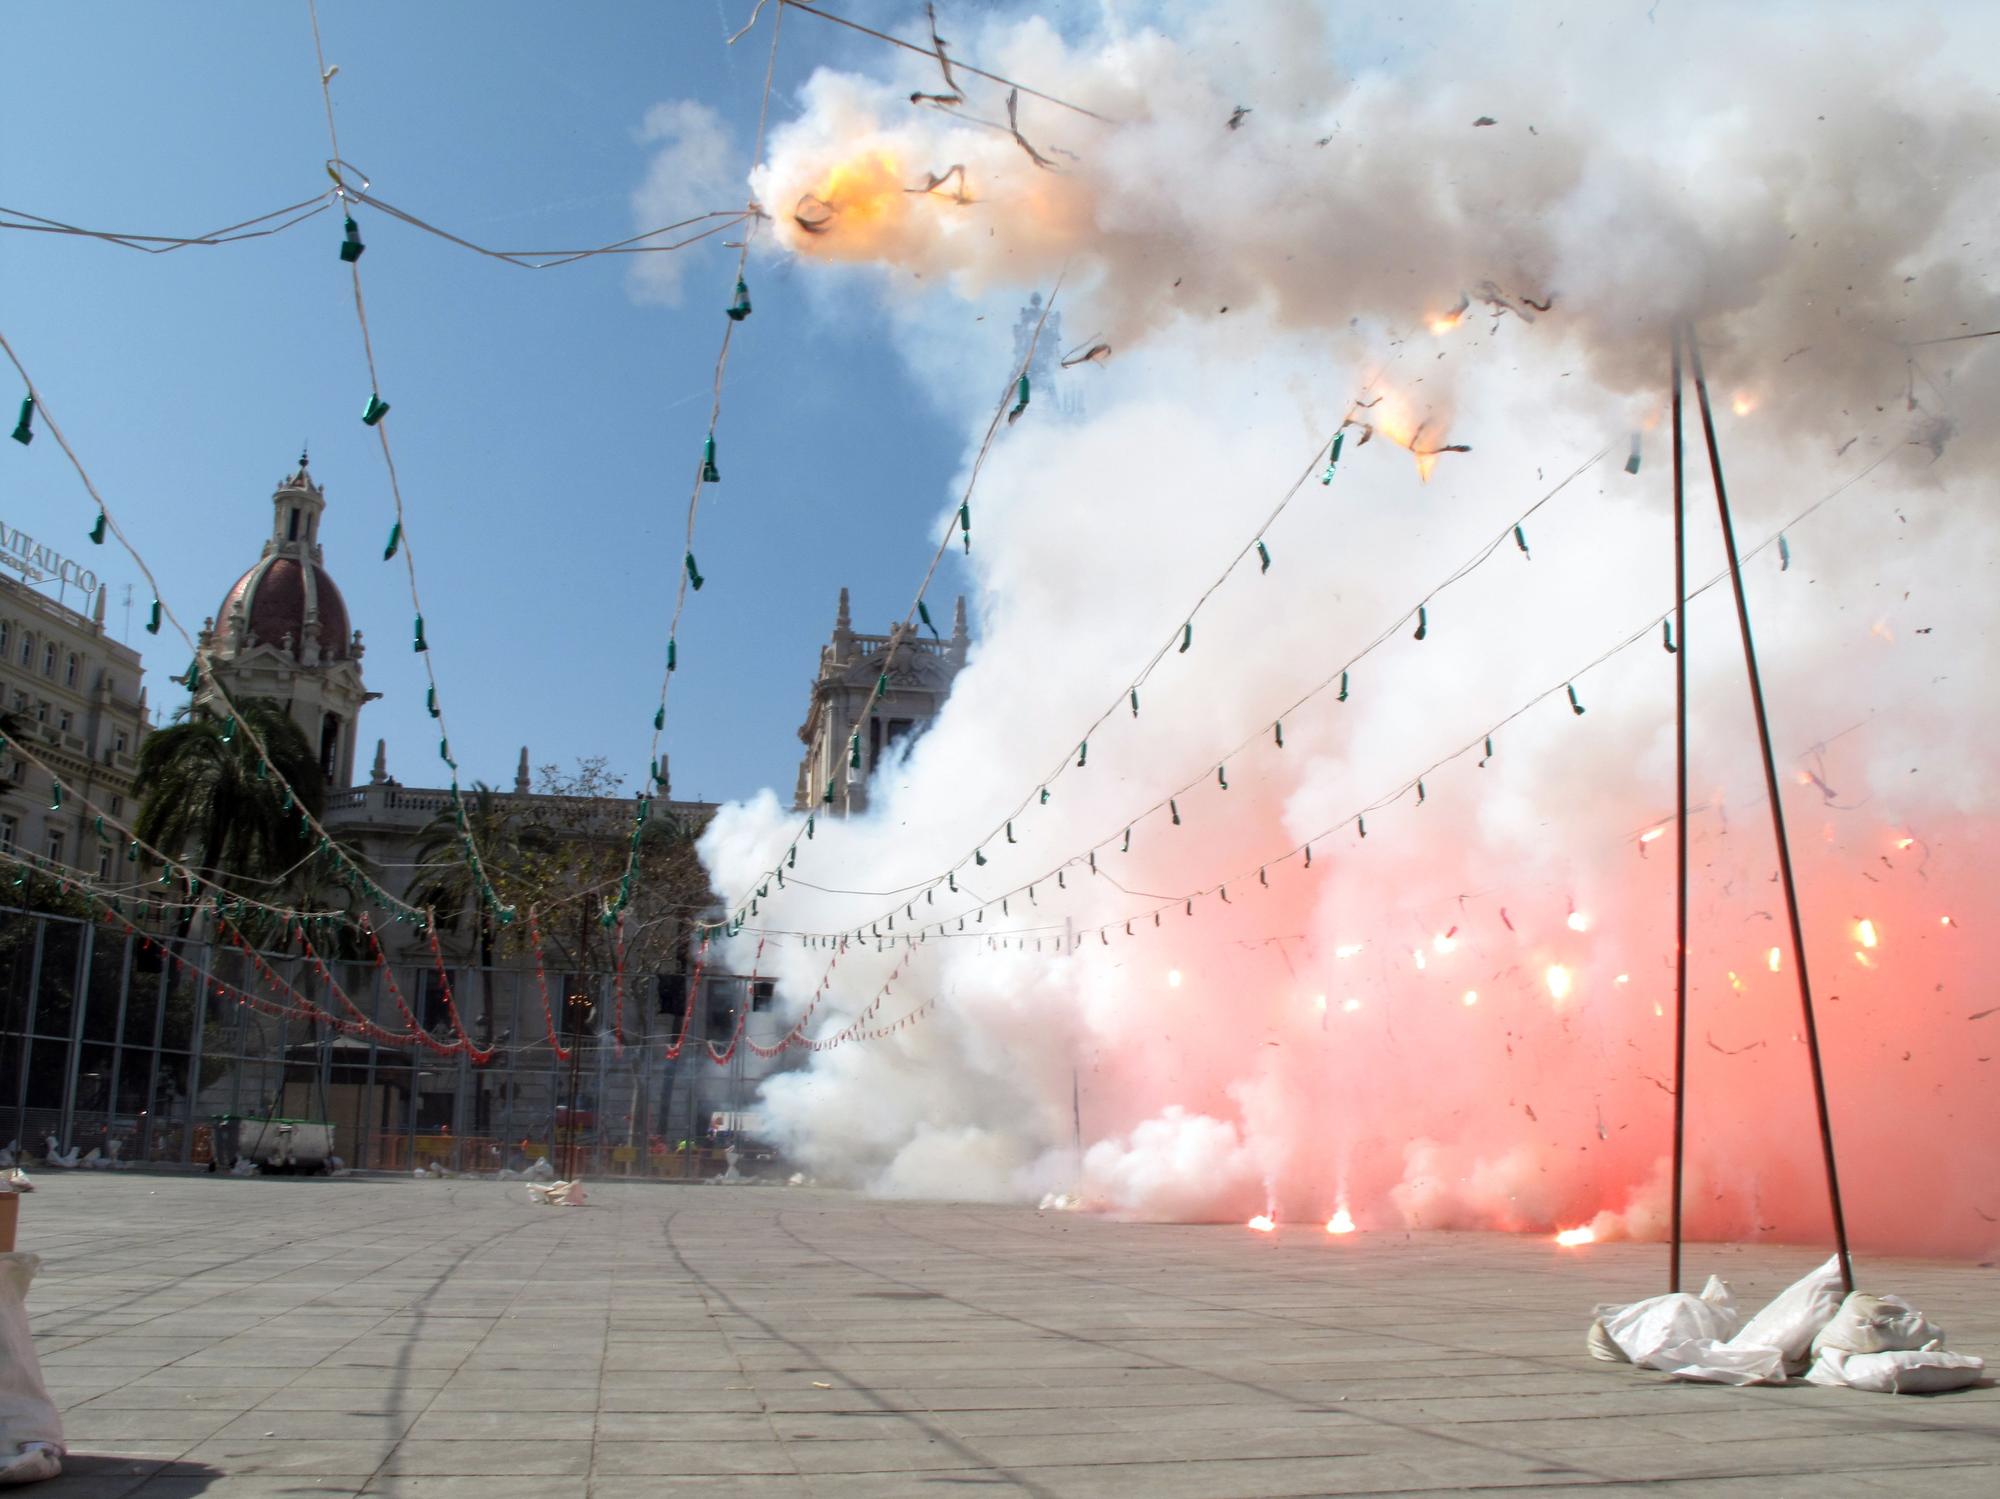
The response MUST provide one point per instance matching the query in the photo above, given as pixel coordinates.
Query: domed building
(283, 633)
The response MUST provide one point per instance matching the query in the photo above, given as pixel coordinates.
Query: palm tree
(202, 797)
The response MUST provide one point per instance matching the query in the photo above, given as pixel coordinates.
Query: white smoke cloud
(693, 170)
(1382, 1029)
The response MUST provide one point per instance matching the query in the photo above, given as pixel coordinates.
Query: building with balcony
(79, 707)
(834, 774)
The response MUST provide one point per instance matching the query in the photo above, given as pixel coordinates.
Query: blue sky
(544, 422)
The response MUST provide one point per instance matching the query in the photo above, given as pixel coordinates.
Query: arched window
(49, 659)
(27, 647)
(69, 672)
(6, 635)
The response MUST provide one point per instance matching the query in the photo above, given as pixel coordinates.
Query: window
(431, 1007)
(760, 994)
(117, 805)
(42, 710)
(20, 701)
(63, 720)
(55, 848)
(6, 634)
(49, 659)
(8, 827)
(27, 648)
(103, 862)
(118, 742)
(69, 672)
(292, 530)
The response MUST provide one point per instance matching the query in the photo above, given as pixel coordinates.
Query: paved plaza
(447, 1339)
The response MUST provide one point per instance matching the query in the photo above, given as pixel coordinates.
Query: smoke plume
(1477, 238)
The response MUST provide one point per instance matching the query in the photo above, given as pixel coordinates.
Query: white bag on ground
(1766, 1349)
(1717, 1362)
(31, 1440)
(1633, 1333)
(1795, 1315)
(1920, 1371)
(1876, 1324)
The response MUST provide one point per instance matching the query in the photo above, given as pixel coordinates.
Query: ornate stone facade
(920, 670)
(282, 633)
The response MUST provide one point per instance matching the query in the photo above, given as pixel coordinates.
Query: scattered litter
(1060, 1202)
(558, 1194)
(1236, 117)
(1484, 120)
(820, 1384)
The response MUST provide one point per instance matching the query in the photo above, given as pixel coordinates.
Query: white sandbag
(1795, 1315)
(1876, 1324)
(31, 1439)
(559, 1194)
(1713, 1362)
(1920, 1371)
(1635, 1331)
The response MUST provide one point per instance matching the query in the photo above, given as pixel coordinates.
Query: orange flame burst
(1569, 1238)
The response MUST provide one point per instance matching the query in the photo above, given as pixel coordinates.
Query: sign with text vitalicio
(21, 553)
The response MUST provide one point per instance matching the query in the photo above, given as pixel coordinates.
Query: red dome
(275, 595)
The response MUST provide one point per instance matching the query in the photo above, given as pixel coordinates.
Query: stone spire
(380, 772)
(521, 774)
(843, 630)
(960, 638)
(97, 610)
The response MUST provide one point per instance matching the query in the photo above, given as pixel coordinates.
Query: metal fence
(108, 1044)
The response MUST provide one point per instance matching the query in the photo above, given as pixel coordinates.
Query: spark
(1652, 835)
(1263, 1223)
(1578, 922)
(1342, 1222)
(1623, 978)
(1418, 954)
(1319, 1003)
(1774, 958)
(1742, 403)
(1735, 982)
(1864, 932)
(1347, 951)
(1558, 980)
(1569, 1238)
(1946, 921)
(1444, 942)
(1349, 1006)
(1471, 998)
(1863, 959)
(1905, 842)
(1173, 978)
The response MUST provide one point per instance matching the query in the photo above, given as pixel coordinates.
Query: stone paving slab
(229, 1338)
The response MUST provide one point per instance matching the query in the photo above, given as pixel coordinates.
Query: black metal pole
(1777, 820)
(1680, 829)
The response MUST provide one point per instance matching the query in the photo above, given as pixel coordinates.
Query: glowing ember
(1444, 324)
(1342, 1222)
(1569, 1238)
(1946, 921)
(1774, 958)
(1444, 942)
(1863, 959)
(1558, 980)
(1742, 403)
(1864, 932)
(1471, 998)
(1735, 982)
(1173, 978)
(1578, 922)
(1418, 954)
(1348, 951)
(1623, 978)
(1349, 1006)
(1263, 1223)
(1651, 835)
(1905, 842)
